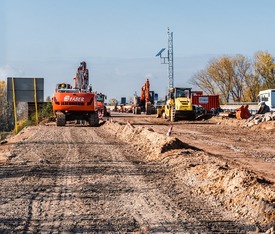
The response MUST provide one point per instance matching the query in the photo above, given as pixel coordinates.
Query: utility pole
(169, 59)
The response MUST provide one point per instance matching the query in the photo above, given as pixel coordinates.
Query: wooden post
(14, 107)
(35, 101)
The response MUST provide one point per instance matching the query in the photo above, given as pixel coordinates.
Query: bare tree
(264, 67)
(204, 81)
(222, 73)
(48, 99)
(230, 77)
(113, 102)
(252, 88)
(3, 106)
(242, 72)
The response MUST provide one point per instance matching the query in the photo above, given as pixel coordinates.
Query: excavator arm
(81, 79)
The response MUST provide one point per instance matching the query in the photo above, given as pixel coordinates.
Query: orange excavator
(144, 102)
(78, 102)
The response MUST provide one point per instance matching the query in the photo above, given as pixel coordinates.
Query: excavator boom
(81, 79)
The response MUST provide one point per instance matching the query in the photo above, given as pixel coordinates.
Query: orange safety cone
(170, 131)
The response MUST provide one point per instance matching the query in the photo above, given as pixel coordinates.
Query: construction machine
(102, 109)
(144, 102)
(178, 105)
(76, 103)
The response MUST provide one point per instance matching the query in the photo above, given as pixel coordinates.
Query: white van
(268, 96)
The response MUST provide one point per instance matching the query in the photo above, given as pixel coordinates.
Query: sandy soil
(209, 177)
(252, 148)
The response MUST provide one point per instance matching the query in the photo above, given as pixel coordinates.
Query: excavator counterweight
(78, 103)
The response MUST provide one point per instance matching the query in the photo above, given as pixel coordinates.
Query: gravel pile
(259, 118)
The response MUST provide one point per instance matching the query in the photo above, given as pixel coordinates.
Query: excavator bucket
(243, 112)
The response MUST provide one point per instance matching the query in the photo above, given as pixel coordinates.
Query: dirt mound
(265, 126)
(248, 196)
(243, 123)
(145, 139)
(239, 190)
(6, 147)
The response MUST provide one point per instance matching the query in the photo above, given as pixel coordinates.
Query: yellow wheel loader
(178, 105)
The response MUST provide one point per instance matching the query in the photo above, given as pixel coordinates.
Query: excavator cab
(152, 97)
(183, 93)
(102, 109)
(62, 87)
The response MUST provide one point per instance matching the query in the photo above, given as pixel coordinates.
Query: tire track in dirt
(158, 210)
(64, 203)
(144, 202)
(84, 180)
(48, 209)
(41, 216)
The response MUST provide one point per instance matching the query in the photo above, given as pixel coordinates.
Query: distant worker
(263, 108)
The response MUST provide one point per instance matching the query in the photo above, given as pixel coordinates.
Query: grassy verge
(45, 113)
(4, 135)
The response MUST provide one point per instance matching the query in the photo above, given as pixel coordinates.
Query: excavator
(76, 103)
(178, 105)
(144, 102)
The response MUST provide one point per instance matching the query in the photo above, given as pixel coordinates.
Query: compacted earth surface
(128, 176)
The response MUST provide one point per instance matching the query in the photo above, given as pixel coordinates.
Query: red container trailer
(197, 93)
(208, 102)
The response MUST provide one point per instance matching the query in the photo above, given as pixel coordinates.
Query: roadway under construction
(128, 176)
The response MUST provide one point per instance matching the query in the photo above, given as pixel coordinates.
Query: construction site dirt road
(127, 176)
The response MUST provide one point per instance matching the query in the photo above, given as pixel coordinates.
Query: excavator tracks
(60, 119)
(93, 120)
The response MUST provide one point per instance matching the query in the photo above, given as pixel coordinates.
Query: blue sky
(120, 38)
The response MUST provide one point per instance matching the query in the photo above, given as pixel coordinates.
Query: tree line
(4, 107)
(237, 78)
